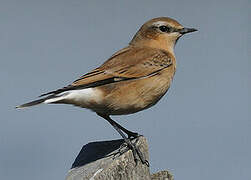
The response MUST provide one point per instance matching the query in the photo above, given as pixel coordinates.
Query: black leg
(129, 133)
(134, 149)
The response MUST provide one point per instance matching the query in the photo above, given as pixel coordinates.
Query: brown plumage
(140, 77)
(131, 80)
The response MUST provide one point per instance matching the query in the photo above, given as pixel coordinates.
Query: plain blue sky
(199, 130)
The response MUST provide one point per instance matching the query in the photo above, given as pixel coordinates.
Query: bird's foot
(135, 151)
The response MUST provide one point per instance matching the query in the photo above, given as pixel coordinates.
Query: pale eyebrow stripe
(159, 23)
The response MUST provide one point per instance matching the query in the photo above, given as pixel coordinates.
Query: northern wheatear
(133, 79)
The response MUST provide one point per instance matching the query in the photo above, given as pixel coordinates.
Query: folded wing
(128, 63)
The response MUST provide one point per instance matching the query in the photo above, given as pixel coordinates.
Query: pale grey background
(200, 130)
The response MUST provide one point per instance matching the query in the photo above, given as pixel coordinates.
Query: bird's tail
(32, 103)
(46, 100)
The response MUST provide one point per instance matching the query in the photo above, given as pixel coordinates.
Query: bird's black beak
(187, 30)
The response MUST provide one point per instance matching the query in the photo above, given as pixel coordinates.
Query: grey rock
(162, 175)
(105, 160)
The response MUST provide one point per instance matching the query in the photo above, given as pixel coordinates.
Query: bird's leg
(129, 133)
(130, 145)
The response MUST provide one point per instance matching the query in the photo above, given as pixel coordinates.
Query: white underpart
(82, 97)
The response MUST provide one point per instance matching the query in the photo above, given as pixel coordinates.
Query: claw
(147, 163)
(123, 146)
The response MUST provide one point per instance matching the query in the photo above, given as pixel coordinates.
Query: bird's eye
(164, 28)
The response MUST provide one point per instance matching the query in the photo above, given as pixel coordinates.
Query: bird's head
(162, 33)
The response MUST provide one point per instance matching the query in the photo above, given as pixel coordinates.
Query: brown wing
(128, 63)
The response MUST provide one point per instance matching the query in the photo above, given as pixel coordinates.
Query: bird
(133, 79)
